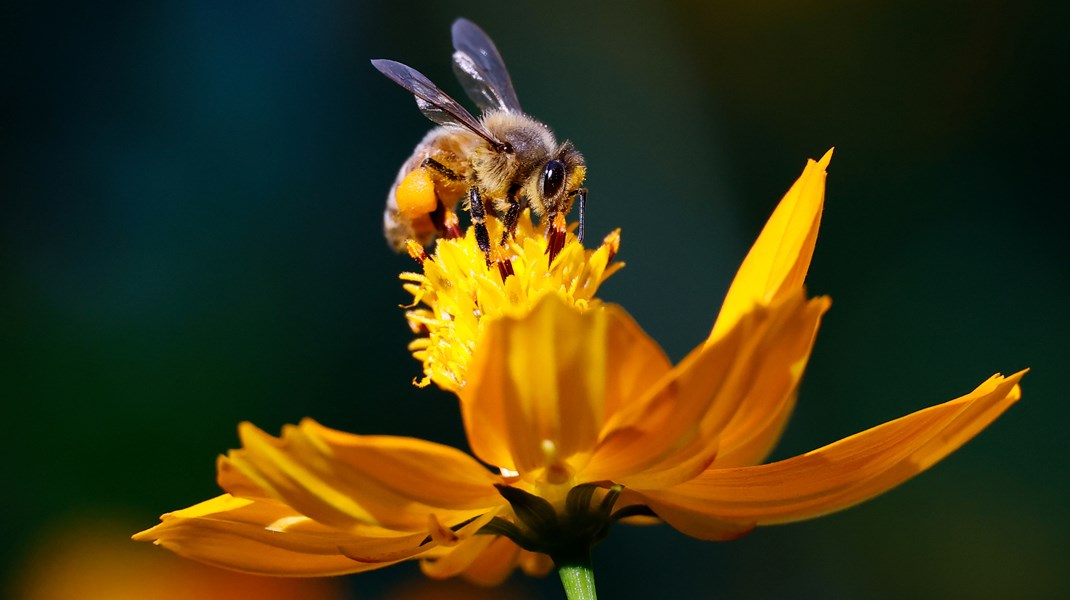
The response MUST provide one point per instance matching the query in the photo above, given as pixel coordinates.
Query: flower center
(458, 291)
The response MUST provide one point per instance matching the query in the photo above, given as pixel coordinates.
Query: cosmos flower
(576, 420)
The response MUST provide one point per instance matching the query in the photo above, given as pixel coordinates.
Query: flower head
(582, 418)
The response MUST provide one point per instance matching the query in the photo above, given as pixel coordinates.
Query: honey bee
(498, 164)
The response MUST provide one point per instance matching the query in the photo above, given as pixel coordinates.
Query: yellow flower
(583, 418)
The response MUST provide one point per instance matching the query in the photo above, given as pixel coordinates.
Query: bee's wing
(481, 70)
(433, 102)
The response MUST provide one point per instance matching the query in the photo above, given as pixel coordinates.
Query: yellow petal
(680, 420)
(346, 480)
(261, 537)
(777, 262)
(536, 386)
(835, 477)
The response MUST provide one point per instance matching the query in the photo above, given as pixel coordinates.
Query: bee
(497, 164)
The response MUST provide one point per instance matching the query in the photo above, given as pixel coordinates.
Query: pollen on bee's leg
(415, 195)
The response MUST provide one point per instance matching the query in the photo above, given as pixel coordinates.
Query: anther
(505, 268)
(555, 240)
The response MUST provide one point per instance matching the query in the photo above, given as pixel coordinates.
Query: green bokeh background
(192, 238)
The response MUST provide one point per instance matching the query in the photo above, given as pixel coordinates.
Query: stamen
(416, 251)
(612, 244)
(452, 225)
(555, 238)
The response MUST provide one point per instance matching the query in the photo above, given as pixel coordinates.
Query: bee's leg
(441, 169)
(479, 220)
(581, 196)
(511, 215)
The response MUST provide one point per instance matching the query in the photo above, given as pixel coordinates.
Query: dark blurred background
(191, 237)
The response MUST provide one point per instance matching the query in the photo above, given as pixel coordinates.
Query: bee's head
(550, 189)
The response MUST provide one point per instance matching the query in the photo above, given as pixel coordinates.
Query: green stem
(577, 575)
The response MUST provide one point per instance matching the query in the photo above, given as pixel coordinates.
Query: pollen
(416, 194)
(458, 292)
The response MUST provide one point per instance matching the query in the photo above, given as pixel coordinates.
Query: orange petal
(777, 262)
(635, 361)
(680, 420)
(345, 480)
(392, 548)
(236, 483)
(535, 564)
(430, 473)
(756, 428)
(261, 537)
(835, 477)
(451, 561)
(766, 405)
(536, 386)
(495, 564)
(686, 464)
(484, 560)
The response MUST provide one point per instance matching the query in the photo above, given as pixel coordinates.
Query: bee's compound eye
(553, 177)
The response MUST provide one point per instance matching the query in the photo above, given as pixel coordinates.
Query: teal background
(191, 238)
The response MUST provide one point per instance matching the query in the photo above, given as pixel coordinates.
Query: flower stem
(577, 575)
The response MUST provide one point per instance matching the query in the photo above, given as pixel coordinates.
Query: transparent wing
(433, 102)
(481, 70)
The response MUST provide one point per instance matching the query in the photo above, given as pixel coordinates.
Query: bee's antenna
(581, 196)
